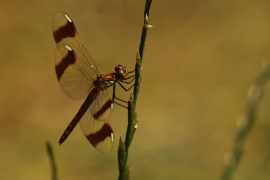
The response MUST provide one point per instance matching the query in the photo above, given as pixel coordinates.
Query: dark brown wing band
(68, 60)
(67, 30)
(100, 135)
(103, 109)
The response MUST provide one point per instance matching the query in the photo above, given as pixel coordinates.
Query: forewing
(74, 66)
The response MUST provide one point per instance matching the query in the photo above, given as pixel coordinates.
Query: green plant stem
(245, 124)
(123, 149)
(52, 160)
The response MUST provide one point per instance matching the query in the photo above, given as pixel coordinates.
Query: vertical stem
(123, 149)
(52, 160)
(244, 126)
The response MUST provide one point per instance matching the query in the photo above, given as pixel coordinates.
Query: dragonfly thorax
(105, 80)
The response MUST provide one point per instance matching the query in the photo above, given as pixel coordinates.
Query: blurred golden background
(200, 60)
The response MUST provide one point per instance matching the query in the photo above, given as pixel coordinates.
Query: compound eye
(121, 70)
(124, 70)
(118, 68)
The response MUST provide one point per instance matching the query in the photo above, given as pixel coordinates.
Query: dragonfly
(78, 76)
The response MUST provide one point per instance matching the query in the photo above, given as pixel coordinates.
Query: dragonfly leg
(123, 87)
(119, 99)
(131, 71)
(114, 98)
(128, 82)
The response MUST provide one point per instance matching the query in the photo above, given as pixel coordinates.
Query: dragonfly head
(120, 71)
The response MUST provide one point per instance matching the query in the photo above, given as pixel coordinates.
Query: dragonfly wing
(74, 66)
(94, 124)
(102, 106)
